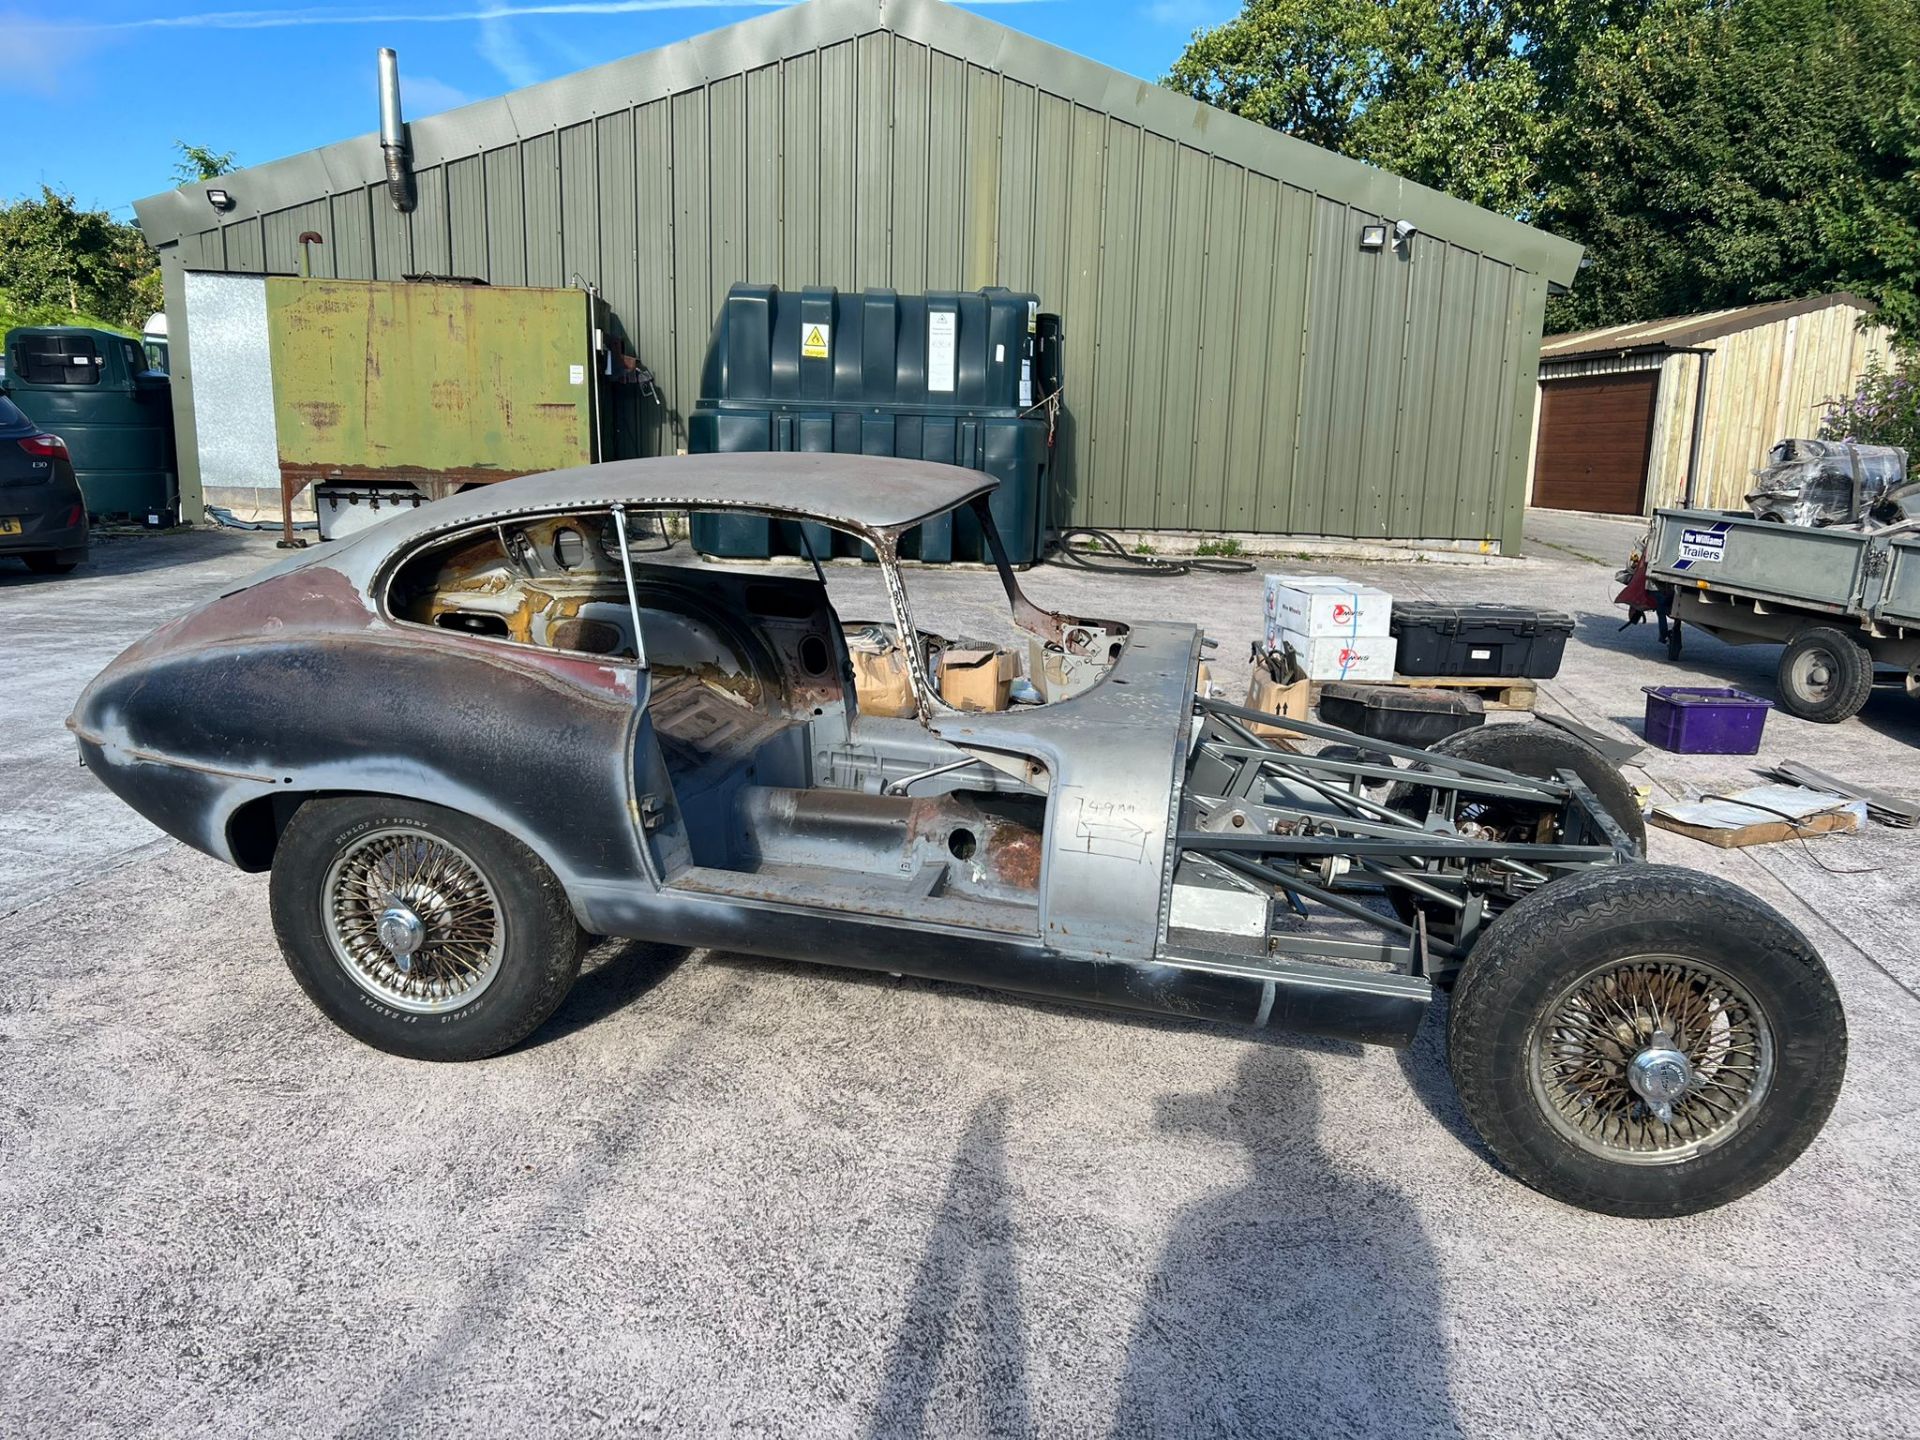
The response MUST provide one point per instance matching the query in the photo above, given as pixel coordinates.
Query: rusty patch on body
(1014, 853)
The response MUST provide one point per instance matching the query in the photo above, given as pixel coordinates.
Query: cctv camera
(1405, 230)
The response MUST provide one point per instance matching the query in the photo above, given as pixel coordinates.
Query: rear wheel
(421, 931)
(1537, 750)
(1646, 1041)
(1533, 749)
(1825, 675)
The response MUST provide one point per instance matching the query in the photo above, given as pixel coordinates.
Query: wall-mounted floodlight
(220, 200)
(1373, 237)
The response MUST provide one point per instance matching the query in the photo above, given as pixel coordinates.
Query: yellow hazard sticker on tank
(815, 342)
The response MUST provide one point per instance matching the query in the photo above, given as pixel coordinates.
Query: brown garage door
(1595, 434)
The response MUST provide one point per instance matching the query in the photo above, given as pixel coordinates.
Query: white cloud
(40, 57)
(330, 15)
(500, 47)
(425, 95)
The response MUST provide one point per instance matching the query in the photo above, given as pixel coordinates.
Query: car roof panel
(857, 492)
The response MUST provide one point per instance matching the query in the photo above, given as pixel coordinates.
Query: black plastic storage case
(1498, 641)
(952, 376)
(1401, 714)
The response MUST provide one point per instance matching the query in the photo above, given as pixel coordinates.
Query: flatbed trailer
(1841, 601)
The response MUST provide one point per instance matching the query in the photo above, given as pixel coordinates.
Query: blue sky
(96, 92)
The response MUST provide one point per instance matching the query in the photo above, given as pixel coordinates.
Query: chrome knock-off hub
(402, 931)
(1660, 1075)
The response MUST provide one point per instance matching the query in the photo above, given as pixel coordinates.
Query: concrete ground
(717, 1195)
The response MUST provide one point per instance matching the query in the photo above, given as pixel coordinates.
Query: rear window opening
(56, 360)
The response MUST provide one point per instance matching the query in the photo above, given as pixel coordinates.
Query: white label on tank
(816, 342)
(1033, 316)
(1705, 545)
(576, 374)
(942, 327)
(1479, 654)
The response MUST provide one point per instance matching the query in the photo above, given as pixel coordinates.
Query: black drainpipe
(1699, 420)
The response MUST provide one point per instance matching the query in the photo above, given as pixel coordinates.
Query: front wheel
(419, 930)
(1645, 1041)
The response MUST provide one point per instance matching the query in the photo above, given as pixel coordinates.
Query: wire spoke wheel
(413, 921)
(1651, 1060)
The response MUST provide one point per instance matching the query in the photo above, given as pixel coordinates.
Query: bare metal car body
(479, 731)
(1035, 849)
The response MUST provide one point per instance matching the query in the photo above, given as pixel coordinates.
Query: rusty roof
(1684, 331)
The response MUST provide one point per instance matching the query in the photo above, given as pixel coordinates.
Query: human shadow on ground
(1305, 1301)
(965, 1294)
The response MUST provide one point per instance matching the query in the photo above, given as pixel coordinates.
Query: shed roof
(767, 39)
(1685, 331)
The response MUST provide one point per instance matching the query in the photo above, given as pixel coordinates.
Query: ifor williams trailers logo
(1699, 547)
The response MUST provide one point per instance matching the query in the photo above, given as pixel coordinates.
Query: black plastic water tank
(947, 376)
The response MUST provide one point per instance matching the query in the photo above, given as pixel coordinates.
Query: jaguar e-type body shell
(682, 747)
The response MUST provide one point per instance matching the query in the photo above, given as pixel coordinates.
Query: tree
(59, 260)
(1873, 224)
(1705, 149)
(1707, 153)
(1456, 94)
(198, 164)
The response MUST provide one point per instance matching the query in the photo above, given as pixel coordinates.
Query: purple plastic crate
(1703, 720)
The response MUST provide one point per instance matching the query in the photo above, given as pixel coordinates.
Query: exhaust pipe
(393, 134)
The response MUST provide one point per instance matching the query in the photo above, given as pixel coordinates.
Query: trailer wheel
(1825, 675)
(1645, 1041)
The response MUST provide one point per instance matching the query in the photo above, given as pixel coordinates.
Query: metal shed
(1237, 359)
(1681, 411)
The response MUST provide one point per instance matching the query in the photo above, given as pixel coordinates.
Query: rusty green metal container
(432, 385)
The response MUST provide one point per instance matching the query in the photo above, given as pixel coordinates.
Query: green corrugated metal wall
(1235, 362)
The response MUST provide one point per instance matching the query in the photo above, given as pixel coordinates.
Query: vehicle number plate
(1708, 545)
(9, 525)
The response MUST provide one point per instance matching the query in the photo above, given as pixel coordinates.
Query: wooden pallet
(1498, 693)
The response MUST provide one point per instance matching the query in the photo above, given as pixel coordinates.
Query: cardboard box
(977, 679)
(1342, 657)
(1291, 701)
(1319, 606)
(880, 682)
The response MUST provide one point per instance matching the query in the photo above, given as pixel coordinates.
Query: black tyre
(421, 931)
(1825, 675)
(1537, 750)
(47, 563)
(1599, 999)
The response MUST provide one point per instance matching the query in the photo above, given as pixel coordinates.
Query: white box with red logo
(1324, 605)
(1362, 658)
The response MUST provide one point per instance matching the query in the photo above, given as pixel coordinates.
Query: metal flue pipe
(393, 134)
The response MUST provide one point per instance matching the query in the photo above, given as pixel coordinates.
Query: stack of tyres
(946, 376)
